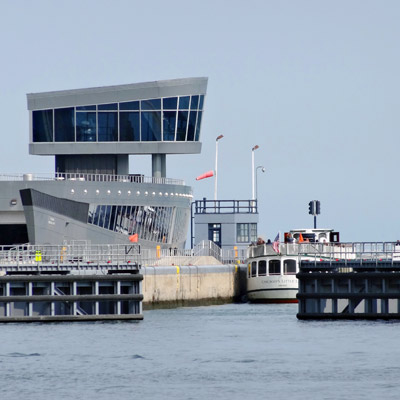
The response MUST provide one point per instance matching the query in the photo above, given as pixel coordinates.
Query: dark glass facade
(42, 123)
(150, 223)
(151, 120)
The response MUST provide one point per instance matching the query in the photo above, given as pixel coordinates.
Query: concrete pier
(190, 285)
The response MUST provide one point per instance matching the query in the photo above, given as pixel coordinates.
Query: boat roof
(311, 230)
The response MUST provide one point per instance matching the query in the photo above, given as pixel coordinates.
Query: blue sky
(314, 83)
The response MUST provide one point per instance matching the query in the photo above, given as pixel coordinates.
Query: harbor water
(233, 351)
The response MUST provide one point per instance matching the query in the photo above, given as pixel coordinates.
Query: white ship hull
(272, 289)
(271, 273)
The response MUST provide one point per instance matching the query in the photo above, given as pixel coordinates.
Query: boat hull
(275, 283)
(281, 289)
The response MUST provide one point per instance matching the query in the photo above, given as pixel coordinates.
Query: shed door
(214, 233)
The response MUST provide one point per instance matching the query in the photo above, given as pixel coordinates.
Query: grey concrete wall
(171, 286)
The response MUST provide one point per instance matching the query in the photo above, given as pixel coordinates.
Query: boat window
(289, 267)
(304, 237)
(274, 267)
(254, 268)
(334, 237)
(262, 268)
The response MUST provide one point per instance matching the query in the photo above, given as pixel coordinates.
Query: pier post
(118, 291)
(96, 303)
(52, 304)
(8, 305)
(30, 304)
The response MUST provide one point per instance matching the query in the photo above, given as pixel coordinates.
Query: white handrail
(134, 178)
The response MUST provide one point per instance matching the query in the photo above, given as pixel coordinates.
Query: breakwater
(171, 286)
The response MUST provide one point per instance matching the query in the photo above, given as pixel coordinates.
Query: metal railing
(195, 256)
(133, 178)
(81, 254)
(360, 252)
(225, 206)
(74, 255)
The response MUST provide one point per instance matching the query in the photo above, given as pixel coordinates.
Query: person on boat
(260, 240)
(289, 238)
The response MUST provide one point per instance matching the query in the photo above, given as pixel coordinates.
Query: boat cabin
(312, 236)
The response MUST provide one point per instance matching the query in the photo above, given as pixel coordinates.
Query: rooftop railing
(133, 178)
(225, 206)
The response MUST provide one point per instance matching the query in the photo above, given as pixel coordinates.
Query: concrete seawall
(172, 286)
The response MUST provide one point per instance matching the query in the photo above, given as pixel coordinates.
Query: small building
(227, 223)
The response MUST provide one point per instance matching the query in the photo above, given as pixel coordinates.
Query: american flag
(275, 244)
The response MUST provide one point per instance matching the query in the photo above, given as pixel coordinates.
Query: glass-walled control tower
(92, 196)
(95, 130)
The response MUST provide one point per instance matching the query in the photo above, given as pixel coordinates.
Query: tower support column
(158, 164)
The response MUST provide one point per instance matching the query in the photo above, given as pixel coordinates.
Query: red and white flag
(275, 244)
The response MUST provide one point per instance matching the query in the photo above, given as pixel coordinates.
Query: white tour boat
(272, 266)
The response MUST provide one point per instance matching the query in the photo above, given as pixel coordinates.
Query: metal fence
(225, 206)
(360, 251)
(134, 178)
(80, 254)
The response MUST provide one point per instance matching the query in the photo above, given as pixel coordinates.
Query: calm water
(235, 351)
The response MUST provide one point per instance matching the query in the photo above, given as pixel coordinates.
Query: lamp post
(216, 165)
(262, 170)
(252, 171)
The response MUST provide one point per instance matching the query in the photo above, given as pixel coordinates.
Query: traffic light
(311, 207)
(317, 207)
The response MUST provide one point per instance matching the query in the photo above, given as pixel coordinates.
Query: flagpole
(253, 195)
(216, 166)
